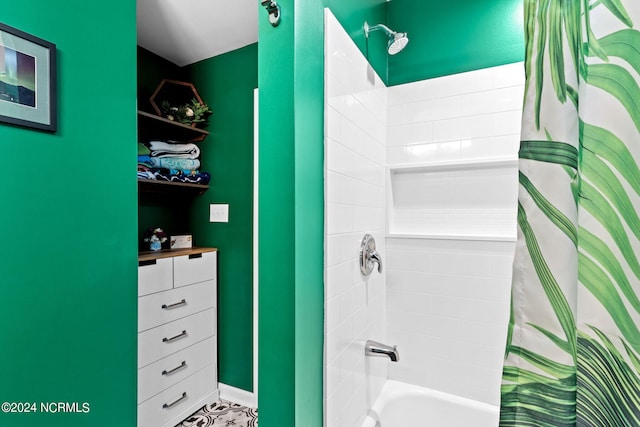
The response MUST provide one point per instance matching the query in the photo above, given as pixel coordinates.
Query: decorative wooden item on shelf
(180, 96)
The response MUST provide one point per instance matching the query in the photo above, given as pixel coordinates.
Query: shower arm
(367, 29)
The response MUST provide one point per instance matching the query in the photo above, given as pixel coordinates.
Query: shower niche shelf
(468, 200)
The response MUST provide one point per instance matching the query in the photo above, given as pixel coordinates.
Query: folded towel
(144, 161)
(146, 175)
(143, 150)
(160, 154)
(182, 151)
(174, 163)
(180, 172)
(199, 178)
(170, 172)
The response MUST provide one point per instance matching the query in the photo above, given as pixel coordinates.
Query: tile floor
(222, 413)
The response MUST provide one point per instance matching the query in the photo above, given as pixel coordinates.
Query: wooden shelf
(151, 126)
(166, 187)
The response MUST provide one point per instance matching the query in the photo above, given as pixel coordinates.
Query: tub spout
(374, 348)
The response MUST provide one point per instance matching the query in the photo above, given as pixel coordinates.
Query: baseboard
(237, 395)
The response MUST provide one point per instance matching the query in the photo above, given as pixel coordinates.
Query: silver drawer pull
(175, 402)
(177, 337)
(177, 368)
(174, 305)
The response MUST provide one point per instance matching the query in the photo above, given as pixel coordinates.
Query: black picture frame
(28, 90)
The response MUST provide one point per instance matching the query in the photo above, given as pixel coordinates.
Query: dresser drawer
(155, 276)
(179, 401)
(188, 269)
(160, 375)
(164, 340)
(163, 307)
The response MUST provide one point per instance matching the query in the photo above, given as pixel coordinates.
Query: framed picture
(27, 80)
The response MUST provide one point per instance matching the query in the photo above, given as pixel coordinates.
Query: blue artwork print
(17, 77)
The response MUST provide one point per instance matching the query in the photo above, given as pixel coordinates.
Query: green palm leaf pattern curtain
(573, 348)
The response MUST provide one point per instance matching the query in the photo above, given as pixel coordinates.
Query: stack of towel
(168, 161)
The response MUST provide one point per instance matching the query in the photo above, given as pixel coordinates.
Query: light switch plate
(219, 213)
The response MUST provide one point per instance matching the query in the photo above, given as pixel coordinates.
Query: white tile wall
(452, 150)
(448, 308)
(467, 116)
(355, 307)
(448, 300)
(443, 302)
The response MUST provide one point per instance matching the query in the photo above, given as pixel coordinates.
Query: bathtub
(402, 404)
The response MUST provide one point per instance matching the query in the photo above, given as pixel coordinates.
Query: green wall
(291, 204)
(226, 82)
(448, 37)
(68, 258)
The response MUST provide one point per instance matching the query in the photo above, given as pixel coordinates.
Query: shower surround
(355, 158)
(443, 295)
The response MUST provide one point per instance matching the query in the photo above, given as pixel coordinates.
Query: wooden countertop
(167, 253)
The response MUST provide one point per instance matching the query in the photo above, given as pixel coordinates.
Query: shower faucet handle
(369, 255)
(375, 257)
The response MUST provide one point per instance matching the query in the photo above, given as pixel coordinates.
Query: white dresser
(177, 354)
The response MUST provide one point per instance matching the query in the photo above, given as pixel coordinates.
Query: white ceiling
(188, 31)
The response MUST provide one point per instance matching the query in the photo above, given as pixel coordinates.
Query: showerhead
(397, 41)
